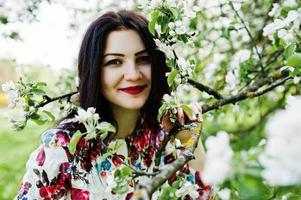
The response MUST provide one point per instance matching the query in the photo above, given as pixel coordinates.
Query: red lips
(133, 90)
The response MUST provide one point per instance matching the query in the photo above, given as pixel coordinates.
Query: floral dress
(88, 174)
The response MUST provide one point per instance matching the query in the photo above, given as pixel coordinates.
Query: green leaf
(164, 24)
(50, 115)
(121, 188)
(183, 38)
(154, 17)
(3, 19)
(103, 135)
(187, 110)
(126, 171)
(29, 101)
(161, 111)
(74, 140)
(170, 62)
(171, 77)
(41, 84)
(294, 60)
(106, 127)
(91, 135)
(289, 51)
(117, 174)
(38, 91)
(175, 13)
(168, 192)
(250, 187)
(39, 121)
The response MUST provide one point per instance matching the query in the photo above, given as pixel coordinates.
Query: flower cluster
(233, 76)
(284, 28)
(218, 159)
(28, 96)
(13, 94)
(281, 156)
(90, 119)
(188, 189)
(170, 22)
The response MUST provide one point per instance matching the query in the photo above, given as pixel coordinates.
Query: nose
(132, 72)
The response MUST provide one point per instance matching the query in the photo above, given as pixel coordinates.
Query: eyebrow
(119, 54)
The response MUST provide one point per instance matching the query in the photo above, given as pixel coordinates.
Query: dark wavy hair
(91, 55)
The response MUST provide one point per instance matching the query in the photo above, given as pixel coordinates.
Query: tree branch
(49, 100)
(278, 78)
(250, 91)
(205, 88)
(167, 170)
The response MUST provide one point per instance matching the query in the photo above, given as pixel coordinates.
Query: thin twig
(138, 172)
(249, 33)
(205, 88)
(49, 100)
(241, 96)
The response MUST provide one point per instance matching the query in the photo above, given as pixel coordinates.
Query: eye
(113, 62)
(143, 60)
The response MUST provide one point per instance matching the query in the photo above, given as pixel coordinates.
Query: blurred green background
(16, 146)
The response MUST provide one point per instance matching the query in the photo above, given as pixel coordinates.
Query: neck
(126, 121)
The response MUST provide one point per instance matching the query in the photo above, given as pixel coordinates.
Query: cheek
(148, 72)
(107, 78)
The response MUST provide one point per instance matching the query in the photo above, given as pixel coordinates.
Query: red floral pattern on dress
(78, 194)
(87, 151)
(41, 157)
(144, 143)
(25, 186)
(58, 186)
(142, 146)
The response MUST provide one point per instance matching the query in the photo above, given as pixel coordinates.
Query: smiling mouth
(133, 90)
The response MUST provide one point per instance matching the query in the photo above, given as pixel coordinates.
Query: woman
(122, 75)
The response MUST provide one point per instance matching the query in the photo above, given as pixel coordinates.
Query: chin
(133, 105)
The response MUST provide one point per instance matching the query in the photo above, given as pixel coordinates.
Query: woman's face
(125, 70)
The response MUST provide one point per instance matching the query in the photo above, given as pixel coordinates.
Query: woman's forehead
(123, 41)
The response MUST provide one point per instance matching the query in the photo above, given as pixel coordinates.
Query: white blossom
(291, 16)
(273, 27)
(188, 189)
(186, 68)
(287, 36)
(218, 159)
(180, 27)
(211, 68)
(297, 79)
(165, 48)
(290, 3)
(278, 24)
(84, 116)
(235, 108)
(142, 3)
(13, 95)
(281, 156)
(224, 194)
(8, 86)
(171, 3)
(275, 10)
(155, 3)
(232, 80)
(242, 55)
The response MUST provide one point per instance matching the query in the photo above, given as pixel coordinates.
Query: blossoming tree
(244, 67)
